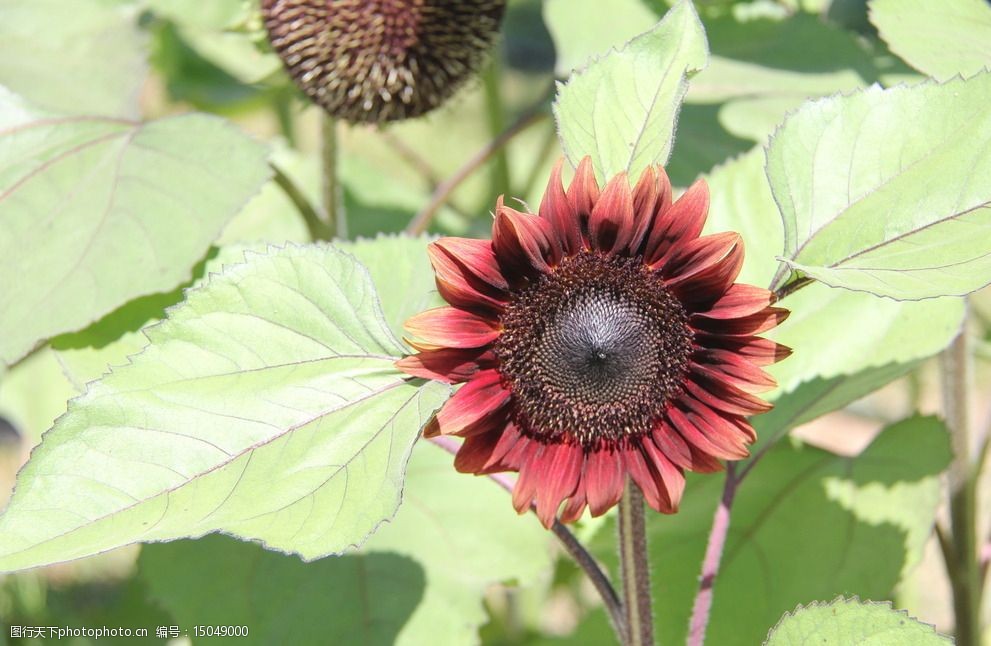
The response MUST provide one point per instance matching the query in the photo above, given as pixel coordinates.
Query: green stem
(965, 572)
(497, 124)
(333, 204)
(635, 568)
(315, 219)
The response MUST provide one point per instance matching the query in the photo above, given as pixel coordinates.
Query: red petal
(460, 284)
(739, 300)
(560, 466)
(761, 352)
(644, 206)
(611, 221)
(711, 273)
(721, 429)
(452, 328)
(521, 242)
(575, 505)
(603, 480)
(473, 402)
(649, 482)
(680, 223)
(691, 428)
(672, 478)
(475, 451)
(450, 365)
(702, 462)
(556, 209)
(530, 478)
(583, 192)
(762, 321)
(723, 396)
(673, 445)
(732, 368)
(501, 459)
(475, 256)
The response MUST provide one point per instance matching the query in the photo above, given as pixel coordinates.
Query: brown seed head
(381, 60)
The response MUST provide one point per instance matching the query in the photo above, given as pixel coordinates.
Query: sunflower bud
(381, 60)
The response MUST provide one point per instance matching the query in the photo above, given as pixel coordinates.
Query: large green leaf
(422, 576)
(888, 191)
(90, 60)
(402, 275)
(941, 39)
(622, 109)
(349, 599)
(96, 211)
(846, 343)
(266, 406)
(851, 622)
(806, 524)
(33, 394)
(465, 533)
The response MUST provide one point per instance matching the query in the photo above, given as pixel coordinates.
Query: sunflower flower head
(603, 338)
(380, 60)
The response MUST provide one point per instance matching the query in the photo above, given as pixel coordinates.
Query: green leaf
(888, 191)
(423, 575)
(623, 108)
(464, 532)
(851, 622)
(354, 598)
(940, 39)
(95, 212)
(837, 332)
(806, 524)
(402, 275)
(90, 61)
(266, 406)
(741, 201)
(579, 31)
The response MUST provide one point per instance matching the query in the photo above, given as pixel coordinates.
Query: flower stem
(571, 545)
(315, 219)
(635, 568)
(497, 123)
(336, 224)
(965, 572)
(713, 556)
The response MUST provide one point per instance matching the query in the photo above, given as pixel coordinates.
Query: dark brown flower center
(380, 60)
(594, 350)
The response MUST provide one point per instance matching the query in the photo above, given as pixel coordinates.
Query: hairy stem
(635, 567)
(713, 556)
(422, 220)
(965, 572)
(570, 544)
(313, 216)
(332, 203)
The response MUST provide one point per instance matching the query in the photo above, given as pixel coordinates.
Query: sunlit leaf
(941, 39)
(97, 211)
(806, 524)
(91, 63)
(889, 191)
(850, 621)
(280, 370)
(402, 275)
(623, 108)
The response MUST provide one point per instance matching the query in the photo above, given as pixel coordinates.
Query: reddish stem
(713, 556)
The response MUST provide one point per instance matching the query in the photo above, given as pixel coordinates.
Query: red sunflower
(599, 340)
